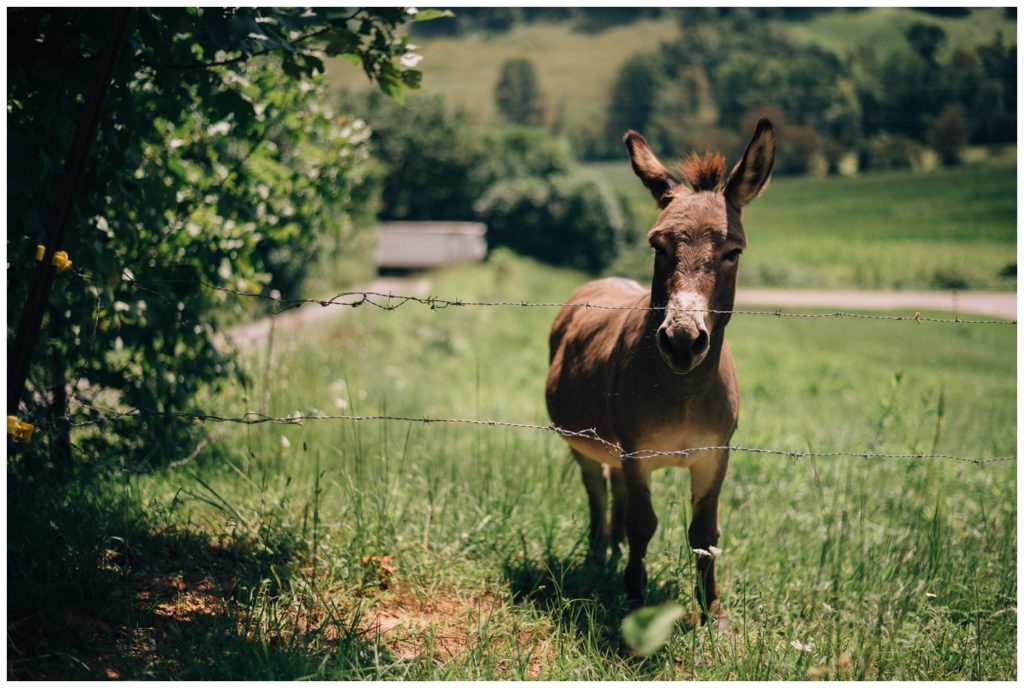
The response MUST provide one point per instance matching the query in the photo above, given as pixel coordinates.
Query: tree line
(873, 108)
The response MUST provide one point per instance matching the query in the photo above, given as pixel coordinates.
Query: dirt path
(998, 304)
(995, 303)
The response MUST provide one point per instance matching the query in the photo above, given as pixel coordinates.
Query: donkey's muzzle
(681, 348)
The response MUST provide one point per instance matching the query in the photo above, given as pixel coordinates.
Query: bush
(948, 136)
(226, 173)
(572, 220)
(889, 152)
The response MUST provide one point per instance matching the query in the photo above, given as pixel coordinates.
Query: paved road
(995, 303)
(998, 304)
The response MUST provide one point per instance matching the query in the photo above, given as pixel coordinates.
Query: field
(948, 228)
(395, 550)
(842, 32)
(576, 68)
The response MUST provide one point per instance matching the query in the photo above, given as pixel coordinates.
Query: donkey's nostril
(664, 341)
(700, 344)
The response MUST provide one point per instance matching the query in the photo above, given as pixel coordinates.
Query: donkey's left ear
(750, 176)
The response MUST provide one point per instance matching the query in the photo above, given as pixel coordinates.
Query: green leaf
(341, 41)
(412, 78)
(647, 629)
(427, 15)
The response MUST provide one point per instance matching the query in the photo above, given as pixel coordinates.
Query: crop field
(341, 549)
(951, 228)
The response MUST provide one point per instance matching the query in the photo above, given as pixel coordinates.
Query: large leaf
(647, 629)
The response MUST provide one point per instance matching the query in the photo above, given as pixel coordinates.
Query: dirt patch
(445, 626)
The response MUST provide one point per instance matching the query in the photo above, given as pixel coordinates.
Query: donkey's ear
(750, 176)
(652, 173)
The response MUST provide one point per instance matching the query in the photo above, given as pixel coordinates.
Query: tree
(925, 39)
(518, 95)
(215, 157)
(632, 99)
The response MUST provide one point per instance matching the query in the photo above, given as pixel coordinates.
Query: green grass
(843, 31)
(948, 228)
(254, 561)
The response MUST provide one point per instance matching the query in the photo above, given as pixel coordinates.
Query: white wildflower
(410, 60)
(802, 647)
(702, 552)
(284, 442)
(714, 551)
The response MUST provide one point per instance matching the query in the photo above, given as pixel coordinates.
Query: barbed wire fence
(352, 299)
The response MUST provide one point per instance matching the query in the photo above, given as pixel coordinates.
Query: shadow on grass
(586, 599)
(96, 589)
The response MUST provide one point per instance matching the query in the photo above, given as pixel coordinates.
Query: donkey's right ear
(652, 173)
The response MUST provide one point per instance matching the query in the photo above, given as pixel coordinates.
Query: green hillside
(577, 68)
(574, 68)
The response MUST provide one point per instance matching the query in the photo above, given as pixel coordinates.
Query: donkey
(655, 373)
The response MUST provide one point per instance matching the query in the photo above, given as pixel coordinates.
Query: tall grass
(401, 550)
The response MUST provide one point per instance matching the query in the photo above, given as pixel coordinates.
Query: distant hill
(577, 62)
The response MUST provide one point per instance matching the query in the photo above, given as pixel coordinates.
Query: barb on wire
(613, 449)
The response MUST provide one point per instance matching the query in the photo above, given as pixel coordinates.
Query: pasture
(398, 550)
(944, 229)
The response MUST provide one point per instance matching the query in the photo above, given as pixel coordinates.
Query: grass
(948, 228)
(843, 31)
(343, 550)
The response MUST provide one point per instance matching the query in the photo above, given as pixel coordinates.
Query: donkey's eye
(732, 256)
(659, 251)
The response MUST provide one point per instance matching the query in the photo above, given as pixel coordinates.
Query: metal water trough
(420, 245)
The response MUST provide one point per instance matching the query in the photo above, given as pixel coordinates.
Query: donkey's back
(586, 346)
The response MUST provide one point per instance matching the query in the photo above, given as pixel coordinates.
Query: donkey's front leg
(706, 476)
(641, 522)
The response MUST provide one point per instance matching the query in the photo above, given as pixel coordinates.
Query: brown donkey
(655, 373)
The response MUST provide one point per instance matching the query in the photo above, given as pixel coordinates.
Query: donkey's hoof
(718, 618)
(636, 586)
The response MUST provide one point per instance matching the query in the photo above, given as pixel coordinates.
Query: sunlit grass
(949, 228)
(907, 567)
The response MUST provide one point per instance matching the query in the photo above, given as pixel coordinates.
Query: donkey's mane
(703, 172)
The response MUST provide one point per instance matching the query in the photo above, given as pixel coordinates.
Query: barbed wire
(390, 302)
(615, 450)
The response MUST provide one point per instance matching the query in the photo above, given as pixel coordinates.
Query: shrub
(948, 136)
(890, 151)
(226, 172)
(572, 220)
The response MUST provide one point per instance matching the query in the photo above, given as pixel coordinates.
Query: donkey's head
(698, 239)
